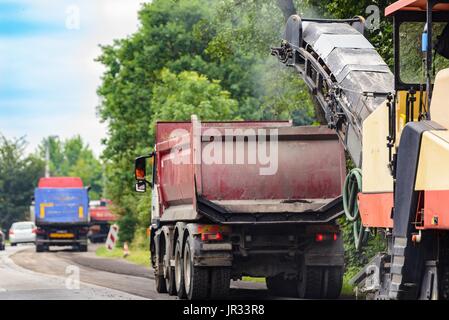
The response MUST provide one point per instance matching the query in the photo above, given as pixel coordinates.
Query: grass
(254, 279)
(136, 255)
(347, 290)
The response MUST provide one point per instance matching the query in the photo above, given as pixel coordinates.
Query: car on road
(2, 241)
(22, 232)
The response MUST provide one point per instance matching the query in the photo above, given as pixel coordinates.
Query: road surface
(25, 274)
(23, 284)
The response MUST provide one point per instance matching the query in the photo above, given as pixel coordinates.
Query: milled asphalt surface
(57, 262)
(120, 275)
(17, 283)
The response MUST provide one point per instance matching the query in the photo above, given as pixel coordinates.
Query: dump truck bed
(241, 169)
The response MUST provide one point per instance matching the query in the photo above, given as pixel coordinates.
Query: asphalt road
(25, 274)
(18, 283)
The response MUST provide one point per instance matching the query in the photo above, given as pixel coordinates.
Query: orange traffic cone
(125, 249)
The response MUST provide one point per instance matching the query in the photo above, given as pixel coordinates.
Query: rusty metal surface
(306, 169)
(307, 162)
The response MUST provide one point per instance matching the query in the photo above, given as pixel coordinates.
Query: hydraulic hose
(351, 188)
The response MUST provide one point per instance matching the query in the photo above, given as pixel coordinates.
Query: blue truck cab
(61, 213)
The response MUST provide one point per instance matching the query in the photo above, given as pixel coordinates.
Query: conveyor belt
(346, 76)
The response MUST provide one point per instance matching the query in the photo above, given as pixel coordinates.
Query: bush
(127, 225)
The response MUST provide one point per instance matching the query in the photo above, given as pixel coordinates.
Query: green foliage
(177, 97)
(248, 29)
(136, 255)
(249, 26)
(411, 56)
(127, 226)
(74, 158)
(356, 259)
(18, 177)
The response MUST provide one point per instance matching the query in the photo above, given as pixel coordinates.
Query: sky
(48, 76)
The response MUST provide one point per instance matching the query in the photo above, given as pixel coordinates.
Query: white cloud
(58, 70)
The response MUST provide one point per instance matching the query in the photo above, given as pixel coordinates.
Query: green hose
(351, 188)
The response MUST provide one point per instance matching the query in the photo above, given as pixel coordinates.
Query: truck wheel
(170, 282)
(334, 282)
(179, 272)
(220, 282)
(83, 247)
(158, 273)
(13, 244)
(160, 284)
(310, 283)
(278, 286)
(196, 279)
(39, 248)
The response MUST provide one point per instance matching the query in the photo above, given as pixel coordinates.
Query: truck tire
(334, 282)
(220, 282)
(13, 244)
(278, 286)
(179, 272)
(159, 278)
(170, 281)
(160, 284)
(40, 248)
(83, 247)
(310, 283)
(196, 279)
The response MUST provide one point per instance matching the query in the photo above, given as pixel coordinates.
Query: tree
(249, 28)
(73, 157)
(177, 97)
(19, 175)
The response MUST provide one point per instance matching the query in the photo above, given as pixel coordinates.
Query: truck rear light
(212, 236)
(11, 232)
(320, 237)
(34, 230)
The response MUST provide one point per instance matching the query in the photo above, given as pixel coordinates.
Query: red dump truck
(101, 218)
(245, 198)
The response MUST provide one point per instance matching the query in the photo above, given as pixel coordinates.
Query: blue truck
(61, 213)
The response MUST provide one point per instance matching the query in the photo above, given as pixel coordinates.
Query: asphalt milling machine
(394, 127)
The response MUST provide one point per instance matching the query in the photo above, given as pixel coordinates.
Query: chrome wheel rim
(178, 270)
(187, 269)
